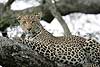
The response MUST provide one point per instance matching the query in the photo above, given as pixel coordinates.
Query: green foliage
(7, 21)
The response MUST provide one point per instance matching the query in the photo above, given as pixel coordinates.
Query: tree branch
(8, 5)
(14, 54)
(57, 15)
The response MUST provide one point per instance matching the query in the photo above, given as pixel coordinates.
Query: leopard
(72, 50)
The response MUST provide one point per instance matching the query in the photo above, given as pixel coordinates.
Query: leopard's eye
(24, 21)
(33, 21)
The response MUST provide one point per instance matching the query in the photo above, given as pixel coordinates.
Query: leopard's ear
(39, 15)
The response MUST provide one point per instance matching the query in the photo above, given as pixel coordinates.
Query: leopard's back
(73, 50)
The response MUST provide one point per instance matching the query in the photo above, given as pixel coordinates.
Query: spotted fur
(72, 50)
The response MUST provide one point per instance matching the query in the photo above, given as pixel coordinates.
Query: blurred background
(59, 17)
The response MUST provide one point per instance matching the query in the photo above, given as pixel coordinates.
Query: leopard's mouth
(27, 32)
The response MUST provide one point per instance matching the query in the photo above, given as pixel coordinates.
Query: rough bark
(13, 54)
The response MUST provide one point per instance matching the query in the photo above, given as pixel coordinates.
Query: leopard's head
(29, 23)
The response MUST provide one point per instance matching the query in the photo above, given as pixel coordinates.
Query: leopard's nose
(29, 29)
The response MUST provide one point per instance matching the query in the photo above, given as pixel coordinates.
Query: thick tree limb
(13, 54)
